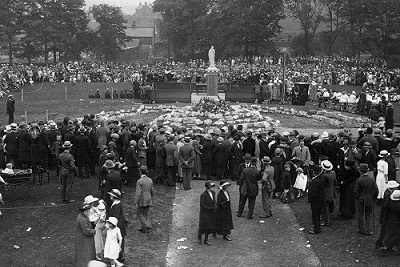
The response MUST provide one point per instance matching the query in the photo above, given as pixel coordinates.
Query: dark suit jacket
(264, 150)
(249, 181)
(186, 154)
(131, 158)
(117, 212)
(249, 146)
(365, 189)
(113, 181)
(330, 181)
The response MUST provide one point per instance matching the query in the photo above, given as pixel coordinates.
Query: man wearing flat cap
(144, 199)
(132, 162)
(365, 192)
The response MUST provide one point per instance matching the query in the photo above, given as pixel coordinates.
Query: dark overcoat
(207, 212)
(224, 223)
(84, 242)
(392, 234)
(207, 159)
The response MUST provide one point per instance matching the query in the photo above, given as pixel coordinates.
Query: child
(286, 183)
(112, 246)
(301, 182)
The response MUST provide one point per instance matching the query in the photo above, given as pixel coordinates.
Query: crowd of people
(327, 70)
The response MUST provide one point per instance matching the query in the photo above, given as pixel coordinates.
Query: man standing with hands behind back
(144, 199)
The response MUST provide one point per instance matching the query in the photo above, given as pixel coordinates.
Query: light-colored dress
(380, 177)
(301, 182)
(112, 247)
(99, 238)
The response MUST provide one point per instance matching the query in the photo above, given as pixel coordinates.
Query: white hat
(392, 184)
(113, 220)
(326, 165)
(90, 199)
(325, 134)
(383, 154)
(395, 196)
(94, 263)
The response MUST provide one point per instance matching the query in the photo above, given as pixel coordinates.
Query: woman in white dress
(382, 176)
(301, 182)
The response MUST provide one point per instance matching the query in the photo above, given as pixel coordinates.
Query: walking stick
(373, 215)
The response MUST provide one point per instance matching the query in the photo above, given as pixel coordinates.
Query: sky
(127, 6)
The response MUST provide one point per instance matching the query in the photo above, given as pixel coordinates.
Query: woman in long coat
(347, 207)
(224, 223)
(207, 213)
(84, 238)
(207, 159)
(392, 231)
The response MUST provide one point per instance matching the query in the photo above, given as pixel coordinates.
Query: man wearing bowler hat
(144, 199)
(365, 191)
(68, 169)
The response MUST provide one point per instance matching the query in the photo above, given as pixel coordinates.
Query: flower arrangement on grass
(208, 105)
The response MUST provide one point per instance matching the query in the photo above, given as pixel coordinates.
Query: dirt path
(275, 241)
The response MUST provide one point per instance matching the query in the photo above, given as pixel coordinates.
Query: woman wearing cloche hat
(224, 223)
(207, 213)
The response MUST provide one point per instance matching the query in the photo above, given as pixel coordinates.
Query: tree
(335, 21)
(11, 16)
(245, 27)
(310, 15)
(184, 24)
(111, 30)
(56, 26)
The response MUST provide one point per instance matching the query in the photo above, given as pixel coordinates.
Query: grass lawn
(50, 242)
(340, 244)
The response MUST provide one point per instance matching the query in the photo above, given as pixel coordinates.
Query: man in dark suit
(171, 160)
(248, 182)
(368, 156)
(132, 162)
(365, 191)
(82, 152)
(235, 157)
(68, 168)
(12, 145)
(389, 121)
(207, 217)
(10, 108)
(316, 191)
(249, 144)
(94, 152)
(264, 150)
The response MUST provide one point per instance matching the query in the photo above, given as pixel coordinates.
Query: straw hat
(90, 199)
(363, 167)
(326, 165)
(392, 184)
(395, 196)
(383, 154)
(109, 164)
(266, 159)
